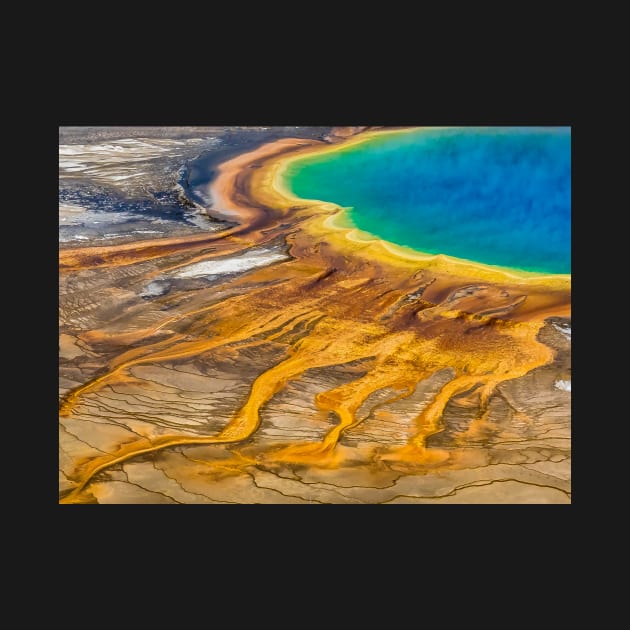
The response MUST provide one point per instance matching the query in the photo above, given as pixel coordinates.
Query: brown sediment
(79, 258)
(230, 198)
(339, 300)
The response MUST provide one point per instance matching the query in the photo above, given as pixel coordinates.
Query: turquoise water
(497, 195)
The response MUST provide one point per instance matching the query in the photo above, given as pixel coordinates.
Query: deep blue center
(497, 195)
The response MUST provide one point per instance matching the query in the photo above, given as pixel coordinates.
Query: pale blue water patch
(495, 195)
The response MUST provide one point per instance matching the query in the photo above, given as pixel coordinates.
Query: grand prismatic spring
(314, 315)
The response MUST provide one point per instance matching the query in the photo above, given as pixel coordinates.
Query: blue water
(498, 195)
